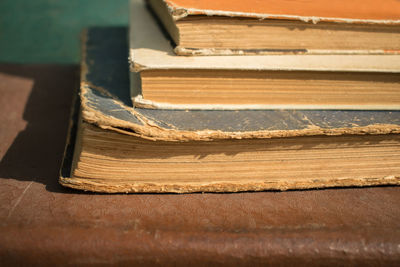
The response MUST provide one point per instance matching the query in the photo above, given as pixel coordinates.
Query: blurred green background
(48, 31)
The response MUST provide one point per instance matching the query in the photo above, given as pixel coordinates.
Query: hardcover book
(281, 26)
(163, 80)
(114, 147)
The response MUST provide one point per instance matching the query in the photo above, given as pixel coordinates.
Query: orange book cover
(351, 11)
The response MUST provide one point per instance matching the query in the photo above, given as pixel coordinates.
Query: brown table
(42, 222)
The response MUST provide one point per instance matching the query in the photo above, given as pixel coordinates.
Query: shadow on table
(36, 152)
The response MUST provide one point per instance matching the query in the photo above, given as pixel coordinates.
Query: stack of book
(226, 96)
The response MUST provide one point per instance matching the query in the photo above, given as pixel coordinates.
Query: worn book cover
(275, 26)
(163, 80)
(215, 151)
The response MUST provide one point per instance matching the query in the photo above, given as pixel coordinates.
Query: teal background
(48, 31)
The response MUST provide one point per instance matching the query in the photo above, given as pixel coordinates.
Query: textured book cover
(356, 11)
(105, 105)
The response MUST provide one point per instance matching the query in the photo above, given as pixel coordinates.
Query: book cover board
(356, 11)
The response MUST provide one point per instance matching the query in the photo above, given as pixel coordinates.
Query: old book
(114, 147)
(280, 26)
(167, 81)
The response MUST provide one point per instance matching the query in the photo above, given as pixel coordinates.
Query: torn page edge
(151, 130)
